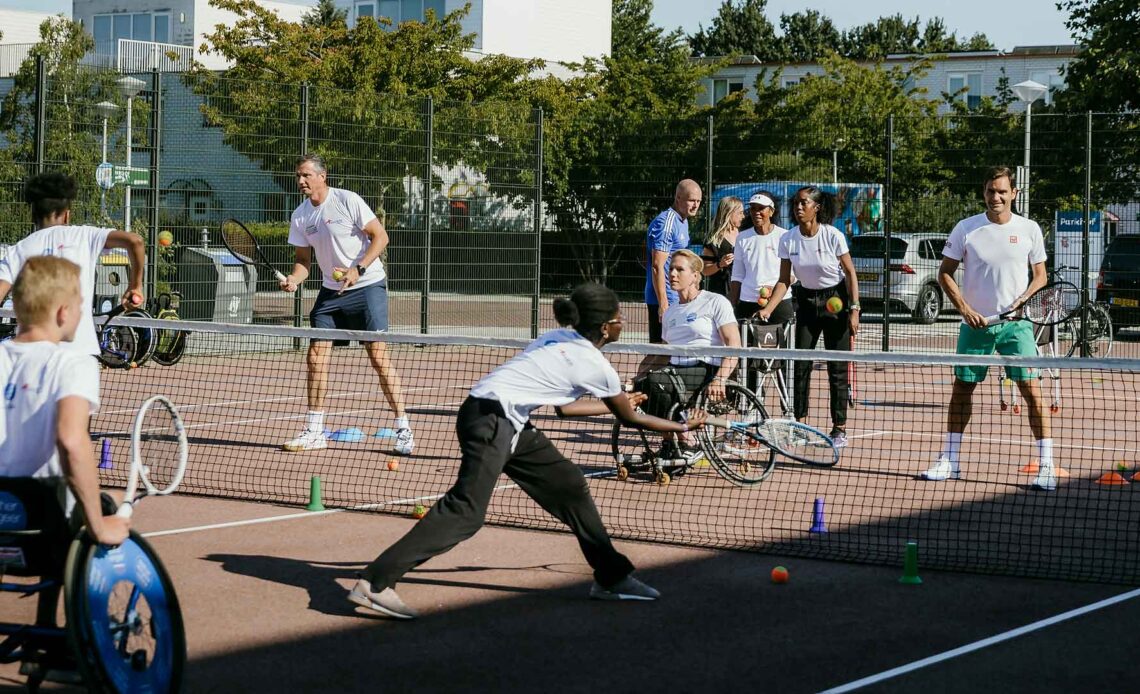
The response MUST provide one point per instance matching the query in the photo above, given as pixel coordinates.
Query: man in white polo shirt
(999, 250)
(339, 228)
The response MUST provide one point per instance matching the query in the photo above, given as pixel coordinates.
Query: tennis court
(264, 601)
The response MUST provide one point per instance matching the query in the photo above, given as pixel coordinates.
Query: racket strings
(240, 242)
(1052, 304)
(800, 441)
(159, 448)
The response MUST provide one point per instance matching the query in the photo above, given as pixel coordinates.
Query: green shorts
(1013, 338)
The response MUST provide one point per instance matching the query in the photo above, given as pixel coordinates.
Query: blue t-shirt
(667, 233)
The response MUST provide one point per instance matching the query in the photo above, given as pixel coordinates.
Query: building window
(410, 10)
(722, 88)
(1051, 79)
(107, 29)
(365, 9)
(971, 82)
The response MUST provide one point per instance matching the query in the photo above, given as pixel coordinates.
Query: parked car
(914, 262)
(1119, 281)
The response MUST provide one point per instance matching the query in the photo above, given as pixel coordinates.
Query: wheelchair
(123, 627)
(640, 453)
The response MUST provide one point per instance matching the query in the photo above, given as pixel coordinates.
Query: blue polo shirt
(668, 233)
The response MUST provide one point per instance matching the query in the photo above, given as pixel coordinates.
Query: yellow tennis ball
(165, 238)
(419, 511)
(834, 304)
(765, 292)
(338, 275)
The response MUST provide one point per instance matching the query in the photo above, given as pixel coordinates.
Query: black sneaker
(838, 437)
(629, 588)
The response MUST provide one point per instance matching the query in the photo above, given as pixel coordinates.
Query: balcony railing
(123, 55)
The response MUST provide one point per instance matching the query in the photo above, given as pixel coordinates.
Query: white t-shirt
(995, 260)
(815, 261)
(36, 377)
(335, 231)
(756, 262)
(79, 244)
(697, 324)
(556, 369)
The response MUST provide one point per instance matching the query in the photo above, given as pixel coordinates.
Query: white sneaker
(1046, 479)
(308, 441)
(405, 443)
(942, 469)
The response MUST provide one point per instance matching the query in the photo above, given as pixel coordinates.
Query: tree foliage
(325, 14)
(1106, 74)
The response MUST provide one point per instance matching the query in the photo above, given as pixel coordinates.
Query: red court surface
(265, 611)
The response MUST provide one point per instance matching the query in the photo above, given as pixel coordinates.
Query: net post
(425, 287)
(536, 297)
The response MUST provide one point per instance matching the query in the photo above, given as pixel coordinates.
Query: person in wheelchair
(698, 319)
(50, 392)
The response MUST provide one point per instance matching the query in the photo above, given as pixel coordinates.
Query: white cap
(761, 199)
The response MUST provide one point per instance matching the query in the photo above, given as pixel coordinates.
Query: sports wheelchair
(123, 627)
(650, 454)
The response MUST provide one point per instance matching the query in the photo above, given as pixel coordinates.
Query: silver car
(914, 263)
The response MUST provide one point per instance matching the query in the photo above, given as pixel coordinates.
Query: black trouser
(836, 331)
(548, 477)
(781, 314)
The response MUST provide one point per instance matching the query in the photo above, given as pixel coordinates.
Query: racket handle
(718, 422)
(279, 276)
(126, 510)
(990, 320)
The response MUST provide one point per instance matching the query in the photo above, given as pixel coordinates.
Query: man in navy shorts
(341, 231)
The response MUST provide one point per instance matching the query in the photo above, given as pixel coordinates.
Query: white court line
(978, 645)
(316, 514)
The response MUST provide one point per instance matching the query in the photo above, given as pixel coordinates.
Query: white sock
(1045, 452)
(316, 421)
(403, 423)
(952, 446)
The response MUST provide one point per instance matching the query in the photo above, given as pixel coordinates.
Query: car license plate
(1119, 301)
(867, 276)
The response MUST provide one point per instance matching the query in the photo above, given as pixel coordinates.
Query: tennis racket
(243, 246)
(1052, 304)
(158, 453)
(787, 437)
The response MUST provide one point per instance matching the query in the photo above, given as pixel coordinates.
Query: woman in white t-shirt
(699, 319)
(827, 298)
(757, 266)
(496, 436)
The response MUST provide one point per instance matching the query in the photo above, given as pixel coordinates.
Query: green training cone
(910, 565)
(315, 495)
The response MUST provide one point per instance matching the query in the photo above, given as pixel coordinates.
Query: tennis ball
(338, 275)
(834, 304)
(135, 299)
(393, 464)
(419, 511)
(765, 292)
(762, 301)
(779, 575)
(165, 238)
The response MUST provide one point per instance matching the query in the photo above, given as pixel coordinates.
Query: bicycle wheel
(735, 456)
(1098, 332)
(123, 618)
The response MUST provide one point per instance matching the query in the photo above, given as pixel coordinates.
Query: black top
(718, 282)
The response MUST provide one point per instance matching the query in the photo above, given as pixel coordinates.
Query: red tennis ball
(779, 575)
(834, 304)
(393, 464)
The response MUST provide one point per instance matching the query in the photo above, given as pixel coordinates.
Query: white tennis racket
(158, 453)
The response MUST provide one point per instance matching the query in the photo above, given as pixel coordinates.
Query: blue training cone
(349, 435)
(818, 525)
(385, 433)
(105, 455)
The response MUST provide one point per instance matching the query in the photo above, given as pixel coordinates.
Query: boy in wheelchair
(47, 463)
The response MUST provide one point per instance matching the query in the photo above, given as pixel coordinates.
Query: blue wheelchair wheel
(124, 620)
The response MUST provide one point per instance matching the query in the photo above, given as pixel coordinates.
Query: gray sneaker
(386, 602)
(628, 588)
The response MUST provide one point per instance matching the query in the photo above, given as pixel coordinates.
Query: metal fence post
(425, 287)
(534, 300)
(155, 169)
(41, 112)
(709, 177)
(299, 295)
(888, 192)
(1084, 342)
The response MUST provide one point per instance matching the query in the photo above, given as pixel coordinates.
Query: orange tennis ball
(165, 238)
(779, 575)
(762, 301)
(419, 511)
(393, 464)
(834, 304)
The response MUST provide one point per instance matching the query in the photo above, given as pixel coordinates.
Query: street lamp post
(128, 87)
(1028, 91)
(105, 109)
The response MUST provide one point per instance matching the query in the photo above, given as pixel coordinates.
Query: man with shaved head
(668, 232)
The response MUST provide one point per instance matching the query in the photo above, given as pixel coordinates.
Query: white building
(19, 26)
(978, 72)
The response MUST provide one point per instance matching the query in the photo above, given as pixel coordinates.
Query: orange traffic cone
(1112, 479)
(1032, 467)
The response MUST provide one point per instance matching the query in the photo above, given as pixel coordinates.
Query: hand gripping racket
(243, 246)
(1052, 304)
(158, 453)
(787, 437)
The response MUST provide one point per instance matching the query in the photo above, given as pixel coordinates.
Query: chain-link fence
(489, 218)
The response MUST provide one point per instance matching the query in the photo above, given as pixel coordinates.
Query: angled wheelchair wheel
(123, 618)
(736, 457)
(171, 346)
(117, 346)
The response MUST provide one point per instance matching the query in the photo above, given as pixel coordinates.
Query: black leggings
(547, 476)
(836, 331)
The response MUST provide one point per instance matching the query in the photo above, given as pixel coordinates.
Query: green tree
(739, 28)
(325, 14)
(807, 36)
(895, 34)
(1106, 74)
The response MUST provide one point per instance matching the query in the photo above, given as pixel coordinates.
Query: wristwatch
(360, 270)
(855, 307)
